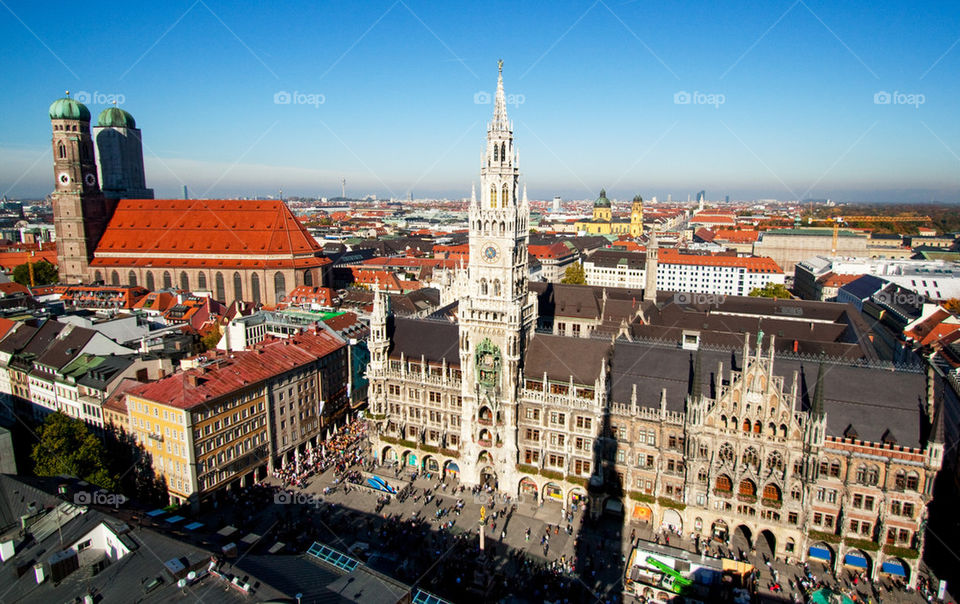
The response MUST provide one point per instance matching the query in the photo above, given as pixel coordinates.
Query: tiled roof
(753, 264)
(157, 230)
(737, 236)
(307, 294)
(555, 250)
(11, 260)
(245, 368)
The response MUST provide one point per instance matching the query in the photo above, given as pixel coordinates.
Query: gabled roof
(561, 357)
(436, 341)
(154, 228)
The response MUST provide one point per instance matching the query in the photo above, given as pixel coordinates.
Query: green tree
(212, 338)
(68, 447)
(44, 273)
(771, 290)
(574, 275)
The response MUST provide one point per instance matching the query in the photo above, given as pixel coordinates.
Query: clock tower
(498, 316)
(80, 213)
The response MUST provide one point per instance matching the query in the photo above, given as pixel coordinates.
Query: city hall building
(808, 458)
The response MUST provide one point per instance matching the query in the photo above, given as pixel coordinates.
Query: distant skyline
(794, 99)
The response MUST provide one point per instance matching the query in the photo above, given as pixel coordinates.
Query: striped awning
(820, 553)
(893, 567)
(855, 559)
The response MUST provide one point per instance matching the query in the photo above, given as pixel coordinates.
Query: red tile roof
(306, 294)
(206, 233)
(554, 250)
(760, 264)
(7, 289)
(188, 389)
(11, 260)
(737, 236)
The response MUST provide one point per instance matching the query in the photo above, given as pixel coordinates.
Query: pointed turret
(500, 121)
(696, 389)
(816, 408)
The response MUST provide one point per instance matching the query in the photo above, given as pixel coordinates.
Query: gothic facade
(811, 459)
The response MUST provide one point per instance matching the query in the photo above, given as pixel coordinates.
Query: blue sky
(785, 97)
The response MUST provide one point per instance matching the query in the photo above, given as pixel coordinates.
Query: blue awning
(893, 567)
(820, 553)
(855, 559)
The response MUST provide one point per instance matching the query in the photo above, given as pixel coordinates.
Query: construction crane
(838, 220)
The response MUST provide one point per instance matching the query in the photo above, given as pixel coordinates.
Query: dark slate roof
(560, 357)
(874, 399)
(18, 338)
(613, 258)
(864, 287)
(66, 347)
(103, 374)
(435, 340)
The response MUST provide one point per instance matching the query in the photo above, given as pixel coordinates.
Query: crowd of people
(341, 452)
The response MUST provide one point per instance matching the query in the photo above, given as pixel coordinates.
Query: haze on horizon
(786, 99)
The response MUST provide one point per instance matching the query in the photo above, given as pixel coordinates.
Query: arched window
(114, 278)
(772, 492)
(202, 281)
(747, 488)
(835, 469)
(772, 429)
(913, 481)
(901, 480)
(483, 287)
(496, 153)
(132, 279)
(150, 283)
(862, 474)
(61, 151)
(873, 475)
(503, 151)
(746, 425)
(783, 430)
(237, 286)
(184, 281)
(496, 287)
(255, 288)
(493, 196)
(724, 483)
(167, 280)
(221, 291)
(723, 420)
(726, 452)
(308, 278)
(279, 286)
(775, 461)
(504, 197)
(757, 427)
(751, 457)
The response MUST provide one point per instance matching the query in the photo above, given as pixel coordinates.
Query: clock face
(90, 179)
(64, 178)
(491, 253)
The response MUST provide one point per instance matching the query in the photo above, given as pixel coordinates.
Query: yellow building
(163, 432)
(603, 222)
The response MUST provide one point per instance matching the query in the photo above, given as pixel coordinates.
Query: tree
(212, 338)
(574, 275)
(68, 447)
(44, 273)
(952, 305)
(771, 290)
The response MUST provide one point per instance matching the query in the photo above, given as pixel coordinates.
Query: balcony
(485, 421)
(722, 493)
(485, 442)
(746, 498)
(771, 503)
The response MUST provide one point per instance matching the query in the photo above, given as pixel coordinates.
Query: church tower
(498, 316)
(80, 213)
(636, 217)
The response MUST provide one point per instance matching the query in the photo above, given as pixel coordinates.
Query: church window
(496, 153)
(279, 286)
(483, 287)
(237, 286)
(98, 277)
(167, 280)
(132, 279)
(202, 281)
(308, 278)
(496, 287)
(493, 198)
(503, 151)
(221, 291)
(184, 281)
(61, 151)
(114, 278)
(255, 288)
(150, 283)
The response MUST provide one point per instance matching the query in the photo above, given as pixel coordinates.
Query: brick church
(250, 250)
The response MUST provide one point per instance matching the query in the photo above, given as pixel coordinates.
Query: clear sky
(854, 100)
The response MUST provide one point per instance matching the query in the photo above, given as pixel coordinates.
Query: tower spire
(500, 121)
(817, 406)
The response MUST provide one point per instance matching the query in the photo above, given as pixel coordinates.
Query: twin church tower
(81, 208)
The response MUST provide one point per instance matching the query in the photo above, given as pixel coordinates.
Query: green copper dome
(114, 117)
(602, 201)
(69, 109)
